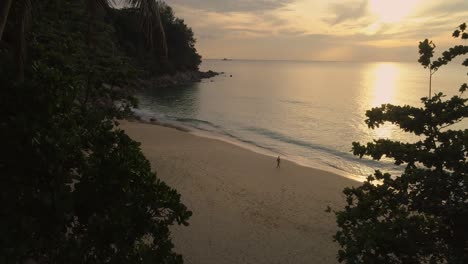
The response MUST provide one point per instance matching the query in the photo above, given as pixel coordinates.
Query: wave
(294, 102)
(146, 114)
(196, 121)
(250, 142)
(193, 122)
(317, 147)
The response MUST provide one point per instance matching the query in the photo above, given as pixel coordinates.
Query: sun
(392, 11)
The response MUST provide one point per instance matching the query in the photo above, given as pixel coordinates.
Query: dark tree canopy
(74, 188)
(420, 216)
(182, 54)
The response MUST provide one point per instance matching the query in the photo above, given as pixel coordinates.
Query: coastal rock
(208, 74)
(177, 79)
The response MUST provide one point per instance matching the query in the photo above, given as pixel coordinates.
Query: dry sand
(245, 210)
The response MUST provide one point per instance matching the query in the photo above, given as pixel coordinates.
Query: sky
(349, 30)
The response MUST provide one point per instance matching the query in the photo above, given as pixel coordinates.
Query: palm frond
(151, 24)
(104, 4)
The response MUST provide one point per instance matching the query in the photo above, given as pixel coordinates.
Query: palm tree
(150, 19)
(150, 15)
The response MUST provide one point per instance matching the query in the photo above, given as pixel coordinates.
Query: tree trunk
(20, 41)
(430, 83)
(20, 50)
(4, 11)
(162, 34)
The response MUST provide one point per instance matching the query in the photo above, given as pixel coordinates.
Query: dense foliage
(74, 187)
(420, 216)
(182, 54)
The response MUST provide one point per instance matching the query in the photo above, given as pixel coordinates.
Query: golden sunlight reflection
(383, 83)
(383, 79)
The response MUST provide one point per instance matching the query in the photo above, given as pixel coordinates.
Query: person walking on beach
(278, 160)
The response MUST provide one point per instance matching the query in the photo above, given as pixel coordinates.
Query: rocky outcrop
(177, 79)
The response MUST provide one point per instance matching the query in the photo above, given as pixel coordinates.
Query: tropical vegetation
(421, 215)
(74, 188)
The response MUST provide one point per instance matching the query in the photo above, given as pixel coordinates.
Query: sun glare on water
(382, 90)
(384, 83)
(392, 11)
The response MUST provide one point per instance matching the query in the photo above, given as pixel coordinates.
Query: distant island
(226, 59)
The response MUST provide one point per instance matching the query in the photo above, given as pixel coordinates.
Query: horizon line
(298, 60)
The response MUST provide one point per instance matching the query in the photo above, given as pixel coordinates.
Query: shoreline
(253, 148)
(245, 209)
(270, 153)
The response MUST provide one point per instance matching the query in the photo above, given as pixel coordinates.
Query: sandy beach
(245, 210)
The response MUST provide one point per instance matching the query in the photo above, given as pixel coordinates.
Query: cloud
(316, 30)
(443, 7)
(209, 24)
(347, 11)
(232, 5)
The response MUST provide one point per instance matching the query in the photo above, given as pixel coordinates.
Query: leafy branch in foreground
(420, 216)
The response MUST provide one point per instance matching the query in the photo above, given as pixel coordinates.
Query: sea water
(306, 112)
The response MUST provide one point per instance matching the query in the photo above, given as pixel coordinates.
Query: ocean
(306, 112)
